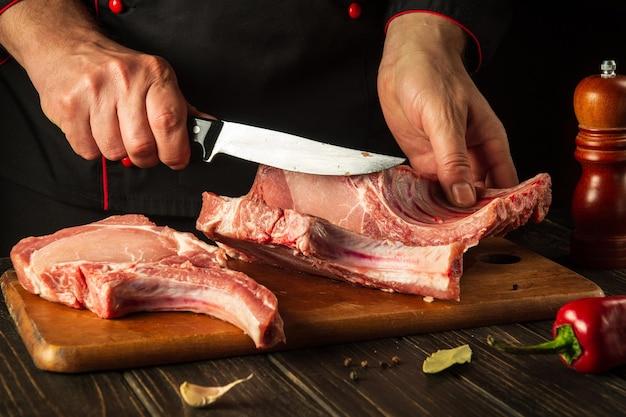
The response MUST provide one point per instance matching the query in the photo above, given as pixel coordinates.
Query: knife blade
(283, 150)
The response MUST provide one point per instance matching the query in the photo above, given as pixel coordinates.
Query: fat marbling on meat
(125, 264)
(391, 230)
(248, 229)
(397, 204)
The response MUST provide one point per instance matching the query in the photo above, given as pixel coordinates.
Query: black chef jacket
(305, 67)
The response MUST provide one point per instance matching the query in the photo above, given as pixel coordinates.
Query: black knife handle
(204, 132)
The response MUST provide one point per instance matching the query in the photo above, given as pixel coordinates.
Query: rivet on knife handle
(204, 132)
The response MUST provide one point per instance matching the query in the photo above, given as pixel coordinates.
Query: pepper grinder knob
(608, 68)
(599, 201)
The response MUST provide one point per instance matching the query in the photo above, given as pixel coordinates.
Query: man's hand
(107, 99)
(115, 101)
(437, 115)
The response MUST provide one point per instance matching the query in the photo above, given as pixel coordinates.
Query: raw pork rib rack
(125, 264)
(390, 230)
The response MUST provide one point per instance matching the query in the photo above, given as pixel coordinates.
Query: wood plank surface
(27, 391)
(315, 310)
(527, 383)
(395, 391)
(269, 392)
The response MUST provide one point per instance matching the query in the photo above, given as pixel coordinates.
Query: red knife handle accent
(127, 162)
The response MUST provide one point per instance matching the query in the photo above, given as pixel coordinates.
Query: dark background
(530, 82)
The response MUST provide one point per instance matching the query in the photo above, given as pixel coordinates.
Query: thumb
(453, 164)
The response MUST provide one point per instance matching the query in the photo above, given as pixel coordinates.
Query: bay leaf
(445, 358)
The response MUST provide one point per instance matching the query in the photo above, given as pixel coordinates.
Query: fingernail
(463, 194)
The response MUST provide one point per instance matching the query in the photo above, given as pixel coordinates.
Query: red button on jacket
(354, 10)
(116, 6)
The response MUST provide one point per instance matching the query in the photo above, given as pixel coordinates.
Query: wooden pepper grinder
(599, 205)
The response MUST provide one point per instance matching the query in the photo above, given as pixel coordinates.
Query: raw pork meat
(391, 230)
(398, 205)
(125, 264)
(248, 229)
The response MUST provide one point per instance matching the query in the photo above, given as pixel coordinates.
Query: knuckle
(167, 121)
(86, 152)
(141, 150)
(91, 84)
(121, 72)
(68, 104)
(113, 153)
(158, 67)
(176, 162)
(493, 131)
(89, 155)
(455, 161)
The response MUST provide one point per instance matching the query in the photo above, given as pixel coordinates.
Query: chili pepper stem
(565, 343)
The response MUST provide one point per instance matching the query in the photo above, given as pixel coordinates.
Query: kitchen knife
(283, 150)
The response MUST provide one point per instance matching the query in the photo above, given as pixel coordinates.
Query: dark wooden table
(314, 382)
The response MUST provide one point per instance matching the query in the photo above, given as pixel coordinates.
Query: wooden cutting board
(502, 283)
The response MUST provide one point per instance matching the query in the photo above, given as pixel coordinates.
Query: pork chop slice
(125, 264)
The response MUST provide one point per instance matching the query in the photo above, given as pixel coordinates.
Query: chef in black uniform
(86, 87)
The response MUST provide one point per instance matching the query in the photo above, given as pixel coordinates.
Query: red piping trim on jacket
(6, 6)
(2, 10)
(456, 22)
(96, 6)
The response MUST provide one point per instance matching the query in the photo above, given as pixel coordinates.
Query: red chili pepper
(589, 334)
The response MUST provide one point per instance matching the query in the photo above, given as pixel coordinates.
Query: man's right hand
(117, 102)
(107, 99)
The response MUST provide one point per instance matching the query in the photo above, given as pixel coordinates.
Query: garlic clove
(201, 396)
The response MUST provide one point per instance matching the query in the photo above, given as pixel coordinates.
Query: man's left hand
(441, 121)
